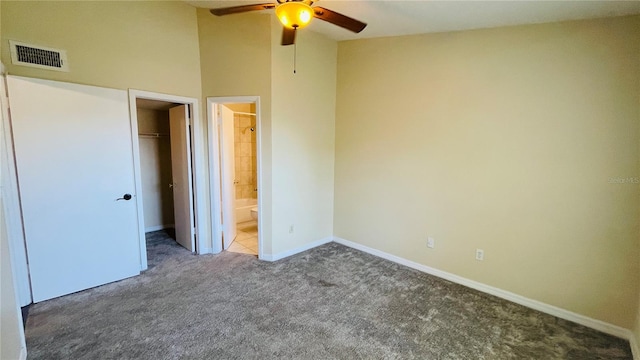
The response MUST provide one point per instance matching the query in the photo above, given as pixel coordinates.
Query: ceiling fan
(296, 14)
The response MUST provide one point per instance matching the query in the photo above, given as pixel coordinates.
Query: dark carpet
(332, 302)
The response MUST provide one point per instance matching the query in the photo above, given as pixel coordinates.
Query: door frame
(213, 137)
(11, 201)
(197, 167)
(12, 215)
(226, 117)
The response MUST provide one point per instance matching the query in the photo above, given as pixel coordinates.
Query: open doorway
(164, 152)
(167, 185)
(240, 174)
(235, 142)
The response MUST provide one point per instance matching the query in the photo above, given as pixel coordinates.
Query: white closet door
(181, 172)
(74, 158)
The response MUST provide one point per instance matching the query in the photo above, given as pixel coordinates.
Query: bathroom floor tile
(246, 241)
(249, 229)
(238, 248)
(243, 235)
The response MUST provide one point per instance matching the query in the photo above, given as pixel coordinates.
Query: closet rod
(243, 113)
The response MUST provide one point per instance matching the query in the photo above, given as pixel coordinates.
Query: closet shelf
(152, 135)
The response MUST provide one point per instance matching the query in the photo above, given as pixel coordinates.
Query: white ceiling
(402, 17)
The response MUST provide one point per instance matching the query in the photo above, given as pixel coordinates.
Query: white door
(11, 203)
(228, 177)
(74, 158)
(181, 172)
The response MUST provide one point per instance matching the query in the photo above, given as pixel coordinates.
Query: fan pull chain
(295, 50)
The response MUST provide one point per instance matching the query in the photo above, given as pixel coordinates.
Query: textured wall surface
(303, 131)
(145, 45)
(521, 141)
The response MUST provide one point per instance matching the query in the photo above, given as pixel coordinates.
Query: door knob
(125, 197)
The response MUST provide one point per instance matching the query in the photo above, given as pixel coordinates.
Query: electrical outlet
(291, 229)
(479, 254)
(431, 242)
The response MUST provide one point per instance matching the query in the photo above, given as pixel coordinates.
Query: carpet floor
(331, 302)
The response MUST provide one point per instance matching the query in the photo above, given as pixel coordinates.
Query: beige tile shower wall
(254, 154)
(245, 156)
(521, 141)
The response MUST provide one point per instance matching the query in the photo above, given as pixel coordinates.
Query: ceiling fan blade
(241, 9)
(288, 36)
(339, 19)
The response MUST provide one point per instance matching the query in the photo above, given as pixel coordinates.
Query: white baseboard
(299, 249)
(503, 294)
(23, 353)
(205, 251)
(158, 227)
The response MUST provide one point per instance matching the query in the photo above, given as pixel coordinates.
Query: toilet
(254, 212)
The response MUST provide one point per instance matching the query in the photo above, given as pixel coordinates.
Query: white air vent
(38, 56)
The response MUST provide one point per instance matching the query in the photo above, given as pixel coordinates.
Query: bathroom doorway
(235, 190)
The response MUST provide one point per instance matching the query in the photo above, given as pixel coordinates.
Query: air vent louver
(38, 56)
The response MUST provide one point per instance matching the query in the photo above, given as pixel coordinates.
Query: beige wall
(501, 139)
(235, 57)
(303, 128)
(155, 163)
(170, 47)
(11, 339)
(636, 328)
(242, 56)
(144, 45)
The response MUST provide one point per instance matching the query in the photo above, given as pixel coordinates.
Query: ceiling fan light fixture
(294, 14)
